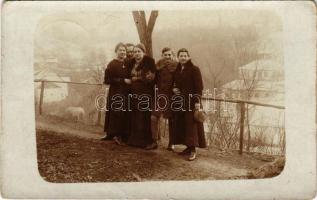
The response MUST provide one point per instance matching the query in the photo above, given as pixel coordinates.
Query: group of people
(170, 88)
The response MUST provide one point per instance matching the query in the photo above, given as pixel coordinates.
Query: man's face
(130, 51)
(183, 57)
(167, 55)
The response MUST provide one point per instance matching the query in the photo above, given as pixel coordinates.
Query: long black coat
(117, 119)
(140, 129)
(186, 130)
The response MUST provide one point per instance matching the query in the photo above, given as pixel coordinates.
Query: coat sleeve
(128, 64)
(110, 77)
(198, 83)
(158, 66)
(176, 79)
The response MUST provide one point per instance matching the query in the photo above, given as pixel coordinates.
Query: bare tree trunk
(145, 29)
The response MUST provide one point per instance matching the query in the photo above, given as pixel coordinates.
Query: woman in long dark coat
(117, 75)
(142, 91)
(188, 84)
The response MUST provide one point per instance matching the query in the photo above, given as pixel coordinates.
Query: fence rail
(242, 104)
(244, 101)
(69, 82)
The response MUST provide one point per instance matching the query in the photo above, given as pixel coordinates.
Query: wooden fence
(242, 104)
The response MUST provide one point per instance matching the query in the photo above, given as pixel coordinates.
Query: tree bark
(145, 30)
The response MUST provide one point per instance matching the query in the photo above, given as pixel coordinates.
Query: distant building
(259, 81)
(53, 91)
(52, 62)
(41, 62)
(90, 80)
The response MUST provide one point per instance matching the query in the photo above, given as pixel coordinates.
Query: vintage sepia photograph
(159, 95)
(158, 100)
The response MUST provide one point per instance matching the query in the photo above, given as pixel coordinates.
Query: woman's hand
(135, 78)
(127, 81)
(197, 106)
(176, 91)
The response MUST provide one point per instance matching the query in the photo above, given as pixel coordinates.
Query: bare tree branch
(145, 30)
(143, 20)
(137, 21)
(152, 21)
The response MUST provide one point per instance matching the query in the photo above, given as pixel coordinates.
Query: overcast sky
(108, 28)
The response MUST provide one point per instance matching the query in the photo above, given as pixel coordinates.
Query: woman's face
(183, 57)
(121, 52)
(138, 53)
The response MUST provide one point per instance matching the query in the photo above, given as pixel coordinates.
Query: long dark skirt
(140, 121)
(117, 122)
(140, 132)
(186, 131)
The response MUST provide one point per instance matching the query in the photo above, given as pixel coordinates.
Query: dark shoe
(118, 140)
(170, 147)
(151, 146)
(106, 137)
(192, 156)
(185, 152)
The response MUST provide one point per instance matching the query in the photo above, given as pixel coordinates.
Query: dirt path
(72, 153)
(58, 125)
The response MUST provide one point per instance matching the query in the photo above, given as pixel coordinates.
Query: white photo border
(19, 172)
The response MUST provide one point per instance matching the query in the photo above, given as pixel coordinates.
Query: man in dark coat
(188, 86)
(163, 93)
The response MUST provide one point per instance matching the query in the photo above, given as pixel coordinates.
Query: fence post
(99, 111)
(242, 113)
(41, 97)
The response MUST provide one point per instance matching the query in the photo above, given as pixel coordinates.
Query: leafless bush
(223, 133)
